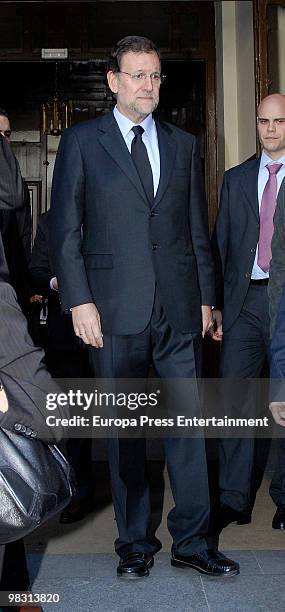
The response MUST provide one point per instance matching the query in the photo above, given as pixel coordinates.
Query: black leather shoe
(209, 562)
(135, 565)
(76, 510)
(278, 521)
(230, 515)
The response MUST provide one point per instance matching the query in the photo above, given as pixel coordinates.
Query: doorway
(185, 32)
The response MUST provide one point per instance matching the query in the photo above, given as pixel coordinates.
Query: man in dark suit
(25, 382)
(241, 241)
(23, 376)
(132, 257)
(11, 194)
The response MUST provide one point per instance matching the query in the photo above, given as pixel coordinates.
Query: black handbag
(36, 482)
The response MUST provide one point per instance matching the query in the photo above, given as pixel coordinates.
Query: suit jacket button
(247, 275)
(17, 427)
(34, 434)
(23, 429)
(153, 214)
(28, 431)
(154, 247)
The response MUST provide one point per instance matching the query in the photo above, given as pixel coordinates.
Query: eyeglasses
(139, 77)
(7, 133)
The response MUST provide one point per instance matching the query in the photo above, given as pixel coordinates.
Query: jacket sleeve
(277, 266)
(66, 217)
(23, 374)
(277, 363)
(220, 243)
(11, 184)
(200, 230)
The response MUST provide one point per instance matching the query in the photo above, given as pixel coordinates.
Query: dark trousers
(245, 353)
(13, 567)
(72, 363)
(173, 355)
(277, 487)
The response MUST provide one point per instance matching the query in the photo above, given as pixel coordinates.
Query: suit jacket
(16, 236)
(277, 266)
(277, 366)
(11, 193)
(61, 335)
(235, 238)
(110, 247)
(23, 375)
(277, 362)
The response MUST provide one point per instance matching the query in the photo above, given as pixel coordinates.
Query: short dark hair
(4, 113)
(136, 44)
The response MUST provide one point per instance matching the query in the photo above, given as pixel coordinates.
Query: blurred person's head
(5, 127)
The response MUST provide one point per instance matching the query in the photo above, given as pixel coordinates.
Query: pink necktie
(267, 209)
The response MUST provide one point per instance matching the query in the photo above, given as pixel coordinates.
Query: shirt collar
(126, 124)
(265, 159)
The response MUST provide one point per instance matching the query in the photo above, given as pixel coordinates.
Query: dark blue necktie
(142, 163)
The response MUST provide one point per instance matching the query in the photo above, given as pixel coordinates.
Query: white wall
(236, 86)
(281, 47)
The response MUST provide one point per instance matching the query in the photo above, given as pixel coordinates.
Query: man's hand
(3, 400)
(54, 283)
(87, 325)
(278, 412)
(217, 333)
(207, 319)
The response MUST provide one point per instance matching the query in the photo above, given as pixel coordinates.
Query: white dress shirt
(263, 176)
(149, 138)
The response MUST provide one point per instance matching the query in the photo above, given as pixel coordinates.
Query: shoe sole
(279, 528)
(182, 565)
(133, 575)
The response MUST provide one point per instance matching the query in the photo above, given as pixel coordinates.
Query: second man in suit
(242, 244)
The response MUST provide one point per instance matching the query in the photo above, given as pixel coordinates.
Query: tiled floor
(88, 582)
(77, 561)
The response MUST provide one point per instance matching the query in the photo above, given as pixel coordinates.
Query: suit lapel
(167, 150)
(113, 142)
(249, 185)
